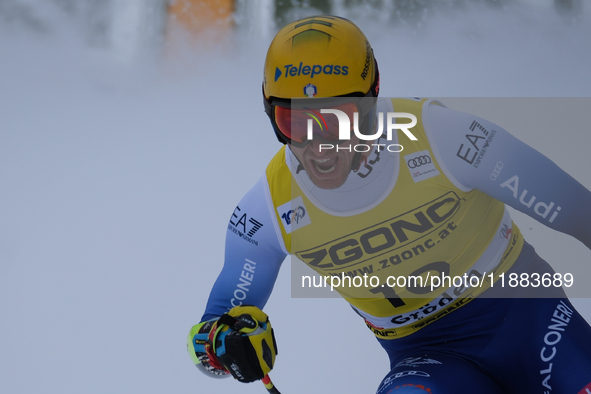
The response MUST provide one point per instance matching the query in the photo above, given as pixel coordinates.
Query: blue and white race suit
(436, 207)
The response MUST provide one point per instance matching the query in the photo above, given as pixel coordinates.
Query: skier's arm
(252, 259)
(478, 154)
(253, 256)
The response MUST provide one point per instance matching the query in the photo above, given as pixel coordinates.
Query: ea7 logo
(293, 215)
(242, 225)
(479, 142)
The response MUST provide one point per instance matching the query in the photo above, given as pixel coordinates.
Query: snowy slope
(117, 182)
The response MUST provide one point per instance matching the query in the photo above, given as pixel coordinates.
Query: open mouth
(325, 166)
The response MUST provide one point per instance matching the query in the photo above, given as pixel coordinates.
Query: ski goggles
(296, 126)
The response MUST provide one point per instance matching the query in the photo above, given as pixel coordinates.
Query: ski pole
(269, 385)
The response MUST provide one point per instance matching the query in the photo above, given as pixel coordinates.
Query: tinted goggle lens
(293, 123)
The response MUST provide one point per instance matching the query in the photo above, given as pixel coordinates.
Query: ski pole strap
(210, 346)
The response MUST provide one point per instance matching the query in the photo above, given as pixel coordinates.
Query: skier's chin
(326, 169)
(324, 184)
(327, 174)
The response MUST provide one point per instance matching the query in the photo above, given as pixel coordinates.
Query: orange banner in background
(202, 17)
(193, 29)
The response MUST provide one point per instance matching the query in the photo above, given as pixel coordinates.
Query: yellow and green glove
(241, 343)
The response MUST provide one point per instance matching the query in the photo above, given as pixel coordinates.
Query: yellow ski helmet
(318, 56)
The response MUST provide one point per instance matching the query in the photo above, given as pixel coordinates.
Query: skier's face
(327, 168)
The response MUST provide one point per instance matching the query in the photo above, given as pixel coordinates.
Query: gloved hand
(241, 343)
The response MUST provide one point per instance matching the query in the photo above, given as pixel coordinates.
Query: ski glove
(241, 343)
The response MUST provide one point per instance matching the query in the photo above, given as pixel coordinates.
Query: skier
(416, 195)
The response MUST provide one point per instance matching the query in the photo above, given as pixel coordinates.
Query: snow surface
(117, 181)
